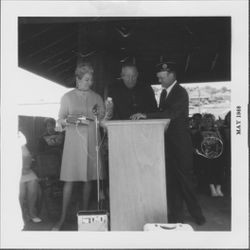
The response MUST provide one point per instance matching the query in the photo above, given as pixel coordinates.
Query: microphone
(109, 106)
(95, 109)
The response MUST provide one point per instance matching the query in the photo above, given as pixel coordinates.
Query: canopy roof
(51, 46)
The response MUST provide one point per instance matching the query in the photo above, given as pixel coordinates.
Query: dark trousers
(180, 188)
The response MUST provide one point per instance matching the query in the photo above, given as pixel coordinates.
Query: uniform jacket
(177, 139)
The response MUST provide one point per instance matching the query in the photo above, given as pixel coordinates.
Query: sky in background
(36, 89)
(38, 96)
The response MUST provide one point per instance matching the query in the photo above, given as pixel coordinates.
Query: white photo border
(12, 237)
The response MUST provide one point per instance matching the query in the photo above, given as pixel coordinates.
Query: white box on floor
(167, 227)
(92, 221)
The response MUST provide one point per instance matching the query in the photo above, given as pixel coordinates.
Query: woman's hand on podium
(138, 116)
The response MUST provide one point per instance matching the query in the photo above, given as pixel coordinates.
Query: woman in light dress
(79, 161)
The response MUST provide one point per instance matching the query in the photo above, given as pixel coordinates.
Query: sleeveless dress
(79, 160)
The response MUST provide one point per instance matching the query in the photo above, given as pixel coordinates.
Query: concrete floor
(217, 211)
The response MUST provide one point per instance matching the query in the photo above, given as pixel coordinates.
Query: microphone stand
(97, 163)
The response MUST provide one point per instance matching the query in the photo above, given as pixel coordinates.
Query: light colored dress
(79, 161)
(27, 173)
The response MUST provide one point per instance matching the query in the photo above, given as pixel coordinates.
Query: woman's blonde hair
(82, 69)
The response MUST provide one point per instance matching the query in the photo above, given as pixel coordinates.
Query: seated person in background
(209, 147)
(226, 135)
(51, 141)
(196, 122)
(50, 147)
(129, 96)
(29, 186)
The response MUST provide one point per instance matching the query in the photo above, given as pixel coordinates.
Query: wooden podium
(137, 173)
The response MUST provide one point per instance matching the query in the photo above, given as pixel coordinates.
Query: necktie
(162, 99)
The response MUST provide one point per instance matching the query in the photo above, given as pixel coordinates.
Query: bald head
(129, 75)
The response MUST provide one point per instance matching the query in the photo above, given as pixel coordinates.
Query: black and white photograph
(124, 124)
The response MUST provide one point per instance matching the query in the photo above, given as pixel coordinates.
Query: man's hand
(138, 116)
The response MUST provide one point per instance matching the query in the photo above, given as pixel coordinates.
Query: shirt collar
(170, 87)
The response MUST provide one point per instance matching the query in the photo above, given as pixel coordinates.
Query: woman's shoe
(57, 227)
(200, 220)
(36, 219)
(213, 190)
(214, 194)
(218, 190)
(221, 194)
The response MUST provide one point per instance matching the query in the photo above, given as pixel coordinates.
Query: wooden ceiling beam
(51, 44)
(61, 63)
(57, 54)
(65, 70)
(36, 34)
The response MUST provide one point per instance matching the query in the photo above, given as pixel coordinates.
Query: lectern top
(164, 122)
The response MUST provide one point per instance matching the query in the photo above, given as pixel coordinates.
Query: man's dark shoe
(200, 220)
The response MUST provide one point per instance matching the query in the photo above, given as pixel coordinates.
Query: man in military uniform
(174, 104)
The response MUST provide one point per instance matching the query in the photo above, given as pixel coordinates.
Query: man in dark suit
(130, 96)
(178, 145)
